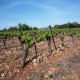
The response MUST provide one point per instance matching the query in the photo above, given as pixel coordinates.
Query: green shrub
(50, 76)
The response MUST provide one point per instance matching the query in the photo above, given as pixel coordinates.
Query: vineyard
(51, 54)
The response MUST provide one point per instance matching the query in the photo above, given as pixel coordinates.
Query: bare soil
(63, 64)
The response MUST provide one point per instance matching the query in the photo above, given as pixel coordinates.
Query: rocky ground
(63, 64)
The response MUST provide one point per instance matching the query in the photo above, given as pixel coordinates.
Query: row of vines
(29, 38)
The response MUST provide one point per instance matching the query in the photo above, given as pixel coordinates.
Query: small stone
(16, 70)
(47, 62)
(63, 77)
(43, 54)
(57, 51)
(28, 77)
(2, 74)
(62, 48)
(7, 67)
(40, 59)
(50, 72)
(34, 60)
(45, 76)
(52, 69)
(35, 64)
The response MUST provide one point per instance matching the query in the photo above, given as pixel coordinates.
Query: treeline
(25, 27)
(20, 26)
(67, 25)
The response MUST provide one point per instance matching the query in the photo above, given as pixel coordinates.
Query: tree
(56, 26)
(5, 29)
(68, 25)
(23, 26)
(13, 29)
(35, 28)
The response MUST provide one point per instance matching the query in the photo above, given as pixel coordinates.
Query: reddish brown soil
(63, 64)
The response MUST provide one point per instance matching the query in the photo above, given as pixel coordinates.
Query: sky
(40, 13)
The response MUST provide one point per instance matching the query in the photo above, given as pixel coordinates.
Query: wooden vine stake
(72, 36)
(52, 37)
(49, 45)
(25, 50)
(62, 40)
(4, 41)
(34, 43)
(48, 38)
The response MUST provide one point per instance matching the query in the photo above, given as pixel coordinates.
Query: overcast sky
(40, 13)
